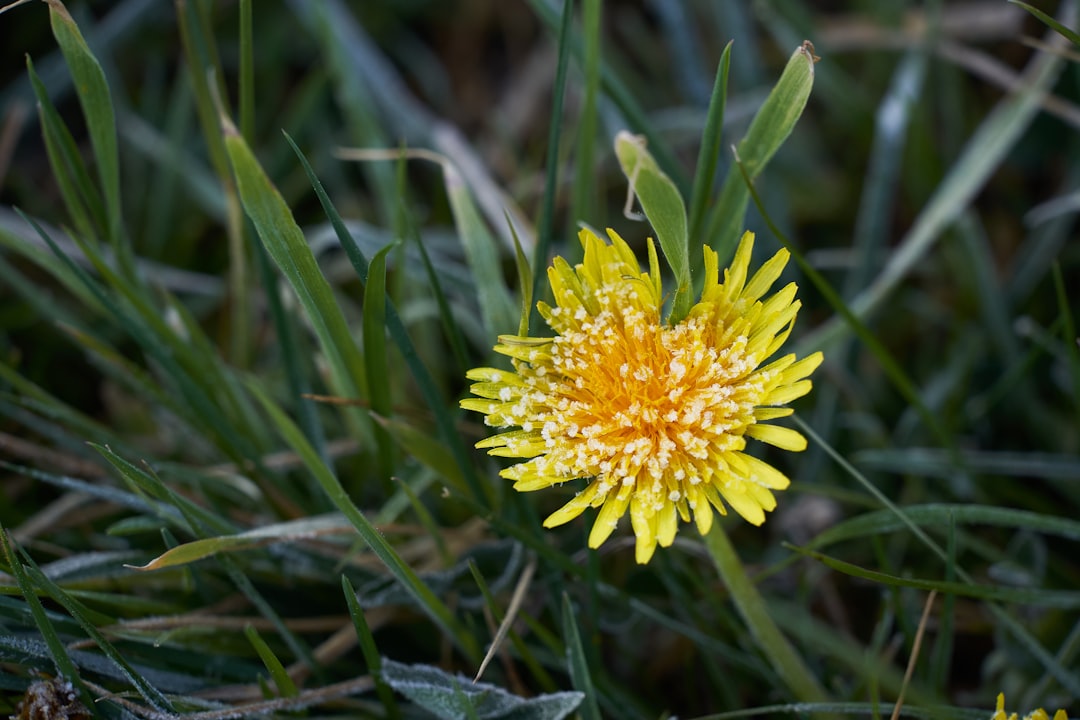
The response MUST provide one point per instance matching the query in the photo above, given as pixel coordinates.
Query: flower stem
(781, 655)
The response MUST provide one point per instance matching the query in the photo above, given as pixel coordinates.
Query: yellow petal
(742, 503)
(572, 509)
(781, 437)
(667, 523)
(764, 474)
(766, 275)
(786, 393)
(613, 508)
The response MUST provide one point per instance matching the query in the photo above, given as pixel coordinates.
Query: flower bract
(655, 415)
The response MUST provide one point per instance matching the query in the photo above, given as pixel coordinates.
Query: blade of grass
(399, 334)
(434, 607)
(285, 685)
(584, 197)
(369, 649)
(709, 151)
(377, 367)
(547, 208)
(92, 89)
(578, 664)
(286, 244)
(1068, 331)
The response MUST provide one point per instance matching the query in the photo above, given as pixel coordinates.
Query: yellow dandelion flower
(655, 415)
(1039, 714)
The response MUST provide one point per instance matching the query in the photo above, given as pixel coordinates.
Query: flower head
(1039, 714)
(655, 415)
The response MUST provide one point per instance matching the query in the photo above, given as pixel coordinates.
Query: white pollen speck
(674, 496)
(627, 481)
(505, 394)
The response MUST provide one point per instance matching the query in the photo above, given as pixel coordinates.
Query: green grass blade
(1050, 21)
(1069, 336)
(434, 607)
(96, 101)
(1036, 597)
(377, 366)
(443, 419)
(285, 685)
(709, 152)
(769, 129)
(288, 247)
(369, 649)
(81, 197)
(546, 223)
(57, 650)
(584, 202)
(578, 663)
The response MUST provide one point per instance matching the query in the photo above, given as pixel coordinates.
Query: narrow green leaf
(371, 536)
(377, 366)
(57, 651)
(443, 419)
(81, 197)
(1049, 21)
(769, 129)
(369, 649)
(546, 222)
(286, 244)
(525, 281)
(1037, 597)
(96, 101)
(254, 538)
(84, 616)
(286, 687)
(585, 194)
(578, 663)
(709, 152)
(664, 207)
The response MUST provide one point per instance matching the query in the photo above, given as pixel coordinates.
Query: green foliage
(234, 476)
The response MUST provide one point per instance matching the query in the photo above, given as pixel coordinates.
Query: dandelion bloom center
(657, 415)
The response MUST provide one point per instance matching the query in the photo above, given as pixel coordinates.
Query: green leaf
(377, 368)
(769, 129)
(286, 687)
(709, 152)
(96, 101)
(258, 537)
(578, 663)
(1049, 21)
(455, 697)
(368, 648)
(1037, 597)
(286, 244)
(664, 207)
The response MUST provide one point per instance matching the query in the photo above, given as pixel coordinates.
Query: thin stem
(779, 652)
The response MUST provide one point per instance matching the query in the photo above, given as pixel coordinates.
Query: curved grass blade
(400, 335)
(369, 649)
(285, 685)
(286, 244)
(434, 607)
(551, 188)
(1036, 597)
(96, 101)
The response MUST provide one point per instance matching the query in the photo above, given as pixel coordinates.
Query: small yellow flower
(656, 415)
(1039, 714)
